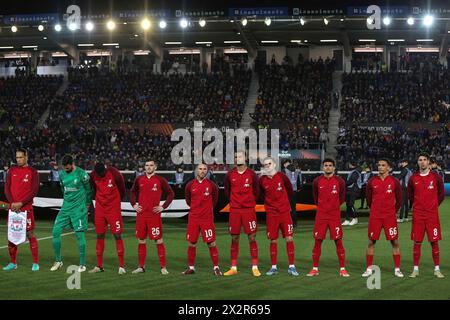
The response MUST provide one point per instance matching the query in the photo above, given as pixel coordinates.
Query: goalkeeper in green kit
(77, 194)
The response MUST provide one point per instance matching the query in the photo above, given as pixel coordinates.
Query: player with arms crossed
(201, 196)
(242, 189)
(329, 195)
(275, 190)
(426, 193)
(384, 198)
(21, 186)
(148, 189)
(77, 196)
(109, 188)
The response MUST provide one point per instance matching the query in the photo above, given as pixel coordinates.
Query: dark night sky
(102, 6)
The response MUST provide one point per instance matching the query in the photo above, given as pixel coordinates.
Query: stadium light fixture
(268, 21)
(202, 22)
(302, 21)
(163, 24)
(367, 40)
(244, 22)
(387, 20)
(89, 26)
(428, 20)
(424, 40)
(328, 40)
(203, 42)
(183, 23)
(14, 29)
(110, 44)
(410, 21)
(269, 41)
(396, 40)
(110, 25)
(58, 27)
(85, 45)
(7, 47)
(29, 47)
(326, 21)
(41, 27)
(172, 42)
(145, 24)
(73, 26)
(232, 41)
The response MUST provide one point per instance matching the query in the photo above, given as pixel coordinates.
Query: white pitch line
(50, 237)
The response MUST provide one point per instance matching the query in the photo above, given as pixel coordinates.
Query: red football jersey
(426, 193)
(22, 185)
(384, 197)
(242, 188)
(109, 190)
(201, 197)
(275, 191)
(150, 191)
(328, 194)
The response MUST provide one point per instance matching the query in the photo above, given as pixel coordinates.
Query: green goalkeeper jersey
(76, 189)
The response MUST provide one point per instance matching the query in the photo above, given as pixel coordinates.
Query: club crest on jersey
(110, 185)
(389, 190)
(246, 185)
(334, 191)
(279, 186)
(155, 187)
(431, 185)
(26, 178)
(206, 192)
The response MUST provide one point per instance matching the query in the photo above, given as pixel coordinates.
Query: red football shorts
(429, 224)
(321, 226)
(276, 222)
(243, 217)
(206, 227)
(388, 223)
(103, 219)
(149, 224)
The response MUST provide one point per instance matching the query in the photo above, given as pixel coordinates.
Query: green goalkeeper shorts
(73, 219)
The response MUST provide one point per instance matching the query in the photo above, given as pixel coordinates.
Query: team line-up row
(243, 187)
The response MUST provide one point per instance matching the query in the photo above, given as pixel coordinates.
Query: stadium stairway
(250, 104)
(335, 115)
(46, 113)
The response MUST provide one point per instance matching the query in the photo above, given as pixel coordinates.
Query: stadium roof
(347, 24)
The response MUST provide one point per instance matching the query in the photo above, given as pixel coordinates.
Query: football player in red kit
(328, 194)
(384, 198)
(21, 186)
(201, 196)
(242, 189)
(148, 189)
(426, 193)
(109, 188)
(275, 190)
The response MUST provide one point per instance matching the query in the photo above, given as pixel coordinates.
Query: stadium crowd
(396, 99)
(296, 98)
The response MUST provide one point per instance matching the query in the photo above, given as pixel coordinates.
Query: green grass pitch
(25, 284)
